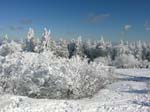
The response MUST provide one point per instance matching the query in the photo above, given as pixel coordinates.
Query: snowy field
(131, 93)
(75, 56)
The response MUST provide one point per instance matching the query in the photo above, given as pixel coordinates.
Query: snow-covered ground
(131, 93)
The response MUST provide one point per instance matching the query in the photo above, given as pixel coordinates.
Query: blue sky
(114, 19)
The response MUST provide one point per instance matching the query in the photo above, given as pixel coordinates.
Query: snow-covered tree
(61, 49)
(30, 34)
(72, 48)
(5, 39)
(30, 41)
(138, 50)
(46, 38)
(79, 47)
(101, 44)
(87, 44)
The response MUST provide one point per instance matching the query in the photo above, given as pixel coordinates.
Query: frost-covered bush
(126, 61)
(105, 60)
(9, 48)
(45, 76)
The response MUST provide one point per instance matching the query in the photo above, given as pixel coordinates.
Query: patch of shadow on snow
(134, 78)
(143, 91)
(142, 103)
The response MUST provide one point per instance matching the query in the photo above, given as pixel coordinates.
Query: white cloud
(147, 25)
(26, 21)
(127, 27)
(14, 28)
(97, 18)
(147, 29)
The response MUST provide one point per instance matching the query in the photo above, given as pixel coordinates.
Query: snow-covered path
(131, 93)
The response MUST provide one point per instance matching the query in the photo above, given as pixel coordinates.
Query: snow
(130, 93)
